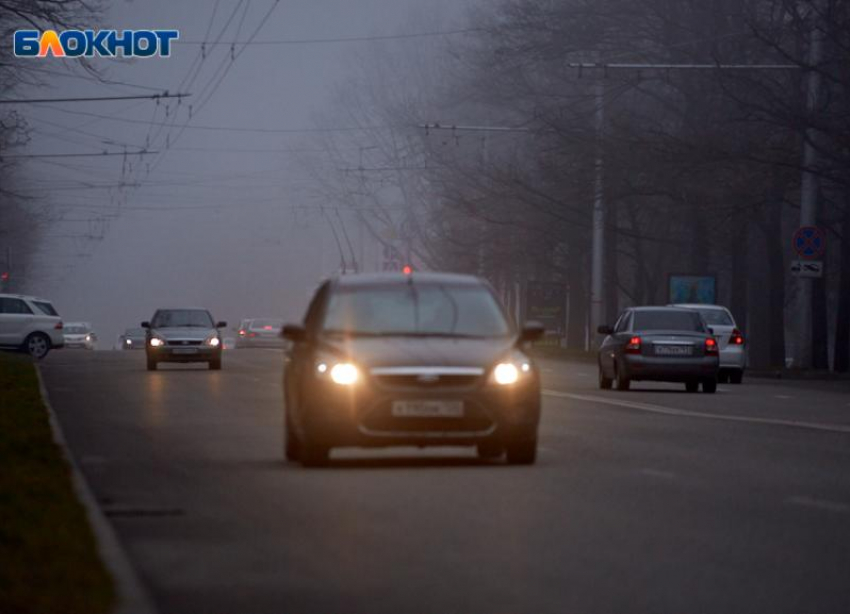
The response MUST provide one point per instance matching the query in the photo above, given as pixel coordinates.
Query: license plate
(427, 409)
(674, 350)
(185, 350)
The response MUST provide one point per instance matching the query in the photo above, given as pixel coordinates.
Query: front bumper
(362, 415)
(197, 353)
(669, 369)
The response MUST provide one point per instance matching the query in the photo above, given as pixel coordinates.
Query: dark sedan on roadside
(133, 339)
(423, 359)
(660, 344)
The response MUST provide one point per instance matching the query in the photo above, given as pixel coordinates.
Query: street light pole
(597, 269)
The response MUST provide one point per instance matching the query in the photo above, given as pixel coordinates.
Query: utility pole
(597, 265)
(808, 199)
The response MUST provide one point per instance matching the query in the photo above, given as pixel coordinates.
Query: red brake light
(267, 328)
(59, 325)
(252, 334)
(633, 346)
(407, 269)
(737, 338)
(710, 346)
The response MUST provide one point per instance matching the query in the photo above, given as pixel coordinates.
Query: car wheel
(692, 386)
(215, 365)
(37, 345)
(604, 382)
(620, 382)
(489, 450)
(709, 385)
(522, 452)
(292, 445)
(736, 377)
(152, 364)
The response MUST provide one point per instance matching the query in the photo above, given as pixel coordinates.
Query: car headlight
(342, 373)
(513, 369)
(156, 342)
(88, 337)
(212, 341)
(128, 341)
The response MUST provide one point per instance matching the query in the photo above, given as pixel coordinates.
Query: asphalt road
(652, 500)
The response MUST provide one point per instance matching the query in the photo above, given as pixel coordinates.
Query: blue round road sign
(809, 242)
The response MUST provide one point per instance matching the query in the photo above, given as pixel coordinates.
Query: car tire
(489, 450)
(215, 365)
(152, 364)
(291, 443)
(37, 345)
(620, 382)
(604, 382)
(692, 386)
(709, 385)
(736, 377)
(522, 452)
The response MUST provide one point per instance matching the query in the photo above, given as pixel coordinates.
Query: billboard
(693, 289)
(546, 302)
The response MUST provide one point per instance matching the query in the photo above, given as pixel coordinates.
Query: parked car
(133, 339)
(420, 359)
(260, 332)
(733, 356)
(662, 344)
(183, 335)
(79, 335)
(29, 324)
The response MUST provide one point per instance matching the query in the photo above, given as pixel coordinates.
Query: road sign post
(807, 268)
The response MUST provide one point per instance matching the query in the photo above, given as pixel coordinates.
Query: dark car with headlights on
(660, 344)
(424, 359)
(183, 335)
(134, 339)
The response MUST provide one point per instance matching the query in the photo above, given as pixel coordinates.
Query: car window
(75, 329)
(13, 305)
(620, 326)
(170, 318)
(45, 307)
(718, 317)
(311, 318)
(266, 324)
(416, 309)
(667, 319)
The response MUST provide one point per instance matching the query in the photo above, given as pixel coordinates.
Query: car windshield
(75, 329)
(718, 317)
(171, 318)
(134, 332)
(667, 319)
(266, 325)
(414, 309)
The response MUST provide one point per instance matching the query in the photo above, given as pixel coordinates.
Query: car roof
(182, 309)
(26, 296)
(373, 279)
(699, 306)
(659, 308)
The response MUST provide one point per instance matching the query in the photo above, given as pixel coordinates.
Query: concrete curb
(133, 598)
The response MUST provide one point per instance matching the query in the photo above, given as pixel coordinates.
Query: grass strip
(49, 561)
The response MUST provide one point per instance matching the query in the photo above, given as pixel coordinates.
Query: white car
(79, 335)
(730, 340)
(29, 324)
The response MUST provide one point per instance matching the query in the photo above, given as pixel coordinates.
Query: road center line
(672, 411)
(823, 504)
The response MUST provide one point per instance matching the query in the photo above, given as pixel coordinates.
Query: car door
(16, 321)
(608, 352)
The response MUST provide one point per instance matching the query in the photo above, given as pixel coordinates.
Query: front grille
(426, 382)
(183, 343)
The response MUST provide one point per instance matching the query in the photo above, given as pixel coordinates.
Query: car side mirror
(710, 330)
(605, 330)
(531, 331)
(221, 324)
(294, 332)
(146, 324)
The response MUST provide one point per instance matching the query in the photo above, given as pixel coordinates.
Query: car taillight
(267, 327)
(58, 326)
(252, 334)
(737, 338)
(633, 346)
(710, 346)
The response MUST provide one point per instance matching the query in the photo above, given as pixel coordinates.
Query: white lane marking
(822, 504)
(657, 473)
(671, 411)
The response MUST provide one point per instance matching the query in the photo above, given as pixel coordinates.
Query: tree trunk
(841, 360)
(820, 335)
(776, 278)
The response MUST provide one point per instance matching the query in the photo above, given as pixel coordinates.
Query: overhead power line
(80, 155)
(93, 98)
